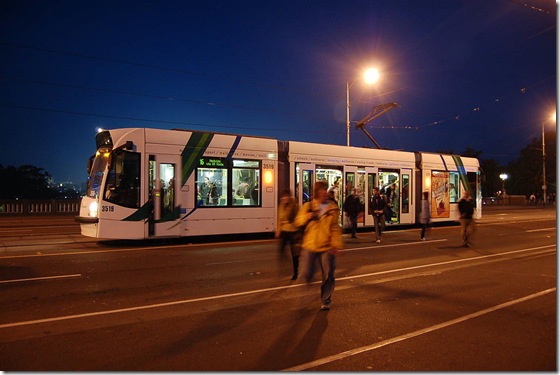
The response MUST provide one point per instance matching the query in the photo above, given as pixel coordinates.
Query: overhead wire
(140, 119)
(523, 90)
(161, 97)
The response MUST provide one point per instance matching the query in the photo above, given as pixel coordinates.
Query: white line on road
(255, 291)
(392, 245)
(446, 262)
(113, 250)
(541, 230)
(40, 278)
(349, 353)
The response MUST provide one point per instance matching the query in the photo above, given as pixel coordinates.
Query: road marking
(363, 349)
(249, 292)
(40, 278)
(443, 263)
(7, 229)
(500, 222)
(541, 230)
(165, 247)
(377, 246)
(187, 245)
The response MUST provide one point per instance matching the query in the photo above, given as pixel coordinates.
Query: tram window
(167, 183)
(333, 176)
(453, 187)
(307, 185)
(405, 193)
(371, 178)
(224, 182)
(211, 182)
(97, 172)
(350, 182)
(473, 182)
(123, 181)
(389, 186)
(246, 182)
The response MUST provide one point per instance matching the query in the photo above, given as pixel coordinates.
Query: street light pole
(370, 76)
(543, 166)
(348, 112)
(503, 177)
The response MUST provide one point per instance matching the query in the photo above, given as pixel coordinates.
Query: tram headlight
(93, 209)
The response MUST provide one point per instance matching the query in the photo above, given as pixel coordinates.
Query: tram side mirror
(90, 163)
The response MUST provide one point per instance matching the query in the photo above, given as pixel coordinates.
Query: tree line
(525, 174)
(30, 182)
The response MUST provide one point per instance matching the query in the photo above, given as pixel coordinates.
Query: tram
(153, 183)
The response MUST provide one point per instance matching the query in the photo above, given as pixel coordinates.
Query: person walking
(390, 198)
(286, 230)
(377, 206)
(334, 190)
(322, 239)
(466, 208)
(352, 208)
(425, 215)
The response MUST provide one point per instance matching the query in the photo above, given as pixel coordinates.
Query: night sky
(471, 73)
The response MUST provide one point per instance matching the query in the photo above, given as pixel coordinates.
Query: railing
(508, 200)
(38, 207)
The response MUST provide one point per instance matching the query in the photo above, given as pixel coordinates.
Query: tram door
(371, 181)
(163, 191)
(362, 179)
(305, 180)
(351, 182)
(406, 202)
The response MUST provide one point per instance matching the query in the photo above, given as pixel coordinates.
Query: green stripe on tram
(194, 150)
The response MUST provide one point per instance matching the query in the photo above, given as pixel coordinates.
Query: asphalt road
(73, 303)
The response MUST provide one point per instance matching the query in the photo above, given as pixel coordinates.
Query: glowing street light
(553, 117)
(370, 76)
(504, 177)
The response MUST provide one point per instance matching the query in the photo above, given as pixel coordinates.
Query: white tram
(152, 183)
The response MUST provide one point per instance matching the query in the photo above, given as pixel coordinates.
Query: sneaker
(378, 240)
(423, 238)
(294, 277)
(325, 307)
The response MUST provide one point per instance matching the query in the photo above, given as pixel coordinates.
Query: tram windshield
(123, 181)
(98, 168)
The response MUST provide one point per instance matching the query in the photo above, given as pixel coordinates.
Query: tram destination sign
(211, 162)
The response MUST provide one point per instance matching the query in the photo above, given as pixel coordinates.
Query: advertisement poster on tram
(440, 195)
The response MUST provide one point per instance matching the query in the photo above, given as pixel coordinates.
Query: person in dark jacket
(425, 214)
(466, 208)
(352, 208)
(377, 206)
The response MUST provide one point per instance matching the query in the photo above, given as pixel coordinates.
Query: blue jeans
(327, 262)
(354, 222)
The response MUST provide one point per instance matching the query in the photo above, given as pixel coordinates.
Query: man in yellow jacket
(322, 239)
